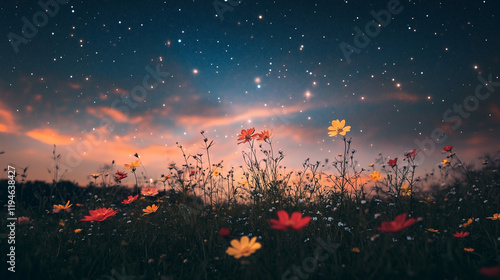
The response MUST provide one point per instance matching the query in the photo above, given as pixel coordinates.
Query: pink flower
(149, 191)
(296, 222)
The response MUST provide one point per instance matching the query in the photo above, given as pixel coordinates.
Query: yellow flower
(243, 248)
(355, 250)
(132, 165)
(433, 230)
(375, 176)
(244, 184)
(338, 127)
(445, 161)
(405, 191)
(469, 250)
(150, 209)
(95, 175)
(216, 173)
(496, 217)
(468, 222)
(78, 230)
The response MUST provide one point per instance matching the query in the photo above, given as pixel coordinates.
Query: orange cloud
(249, 114)
(49, 136)
(7, 121)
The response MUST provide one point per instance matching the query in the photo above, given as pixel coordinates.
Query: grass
(181, 241)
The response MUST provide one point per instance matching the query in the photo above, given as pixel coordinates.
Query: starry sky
(103, 80)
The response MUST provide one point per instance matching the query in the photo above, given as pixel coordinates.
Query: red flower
(99, 215)
(246, 135)
(130, 199)
(411, 154)
(264, 135)
(224, 232)
(490, 271)
(398, 225)
(448, 148)
(393, 162)
(120, 176)
(461, 234)
(296, 222)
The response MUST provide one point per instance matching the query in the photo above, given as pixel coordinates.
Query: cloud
(7, 121)
(49, 136)
(115, 115)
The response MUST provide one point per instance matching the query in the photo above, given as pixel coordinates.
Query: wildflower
(99, 215)
(171, 166)
(411, 154)
(371, 164)
(149, 191)
(246, 135)
(243, 248)
(375, 176)
(23, 220)
(392, 162)
(59, 207)
(496, 217)
(244, 183)
(130, 199)
(338, 127)
(432, 230)
(405, 191)
(490, 271)
(120, 176)
(78, 230)
(61, 222)
(296, 222)
(399, 224)
(460, 234)
(95, 175)
(469, 250)
(224, 232)
(264, 135)
(466, 224)
(216, 173)
(355, 250)
(132, 165)
(150, 209)
(448, 148)
(445, 161)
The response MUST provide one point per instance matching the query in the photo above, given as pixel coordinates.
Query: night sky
(106, 79)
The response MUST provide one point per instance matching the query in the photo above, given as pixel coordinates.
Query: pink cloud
(49, 136)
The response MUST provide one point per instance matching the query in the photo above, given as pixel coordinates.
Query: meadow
(330, 220)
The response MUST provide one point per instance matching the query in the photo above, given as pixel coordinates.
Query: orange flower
(496, 217)
(355, 250)
(149, 191)
(469, 250)
(150, 209)
(78, 230)
(132, 165)
(264, 135)
(59, 207)
(130, 199)
(99, 215)
(393, 162)
(246, 135)
(296, 222)
(398, 225)
(466, 224)
(375, 176)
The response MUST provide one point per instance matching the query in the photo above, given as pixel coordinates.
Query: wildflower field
(202, 221)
